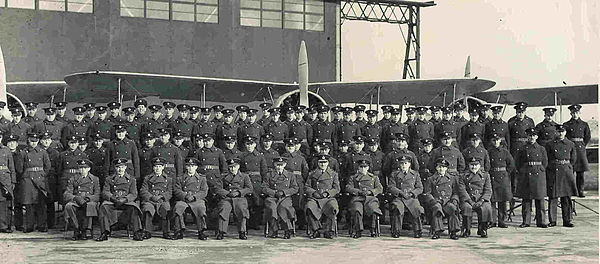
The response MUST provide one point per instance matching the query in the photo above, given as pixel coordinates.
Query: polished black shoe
(146, 235)
(358, 234)
(436, 235)
(492, 225)
(328, 234)
(373, 233)
(453, 235)
(76, 235)
(168, 236)
(551, 224)
(7, 230)
(177, 235)
(314, 234)
(273, 234)
(482, 233)
(104, 236)
(220, 235)
(28, 230)
(417, 234)
(502, 225)
(568, 224)
(542, 226)
(18, 228)
(395, 234)
(243, 235)
(523, 225)
(580, 195)
(201, 235)
(287, 234)
(138, 235)
(43, 229)
(466, 233)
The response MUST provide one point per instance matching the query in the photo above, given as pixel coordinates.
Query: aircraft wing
(103, 85)
(37, 91)
(417, 92)
(543, 96)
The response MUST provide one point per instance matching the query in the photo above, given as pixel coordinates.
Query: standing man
(133, 127)
(254, 164)
(19, 128)
(297, 166)
(472, 127)
(502, 165)
(547, 128)
(141, 105)
(532, 161)
(115, 113)
(227, 129)
(498, 126)
(371, 128)
(122, 148)
(517, 125)
(578, 131)
(61, 109)
(393, 128)
(323, 129)
(154, 123)
(78, 127)
(218, 114)
(67, 166)
(455, 159)
(475, 149)
(101, 126)
(420, 129)
(562, 155)
(278, 129)
(301, 130)
(50, 124)
(170, 154)
(449, 127)
(31, 118)
(7, 185)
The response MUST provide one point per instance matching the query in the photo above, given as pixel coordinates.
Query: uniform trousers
(566, 206)
(540, 216)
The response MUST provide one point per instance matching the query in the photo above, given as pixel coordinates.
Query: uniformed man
(371, 128)
(141, 105)
(420, 129)
(475, 149)
(173, 161)
(296, 164)
(178, 139)
(353, 157)
(190, 191)
(324, 149)
(268, 152)
(517, 125)
(253, 163)
(4, 122)
(7, 186)
(33, 166)
(323, 129)
(338, 115)
(436, 115)
(578, 131)
(249, 128)
(115, 113)
(497, 126)
(67, 166)
(448, 126)
(61, 109)
(376, 158)
(265, 118)
(169, 113)
(31, 118)
(204, 125)
(459, 114)
(53, 176)
(155, 194)
(472, 127)
(347, 129)
(301, 130)
(82, 195)
(405, 185)
(120, 193)
(485, 113)
(387, 115)
(424, 158)
(133, 127)
(442, 199)
(212, 160)
(361, 120)
(50, 124)
(547, 128)
(410, 115)
(227, 129)
(242, 114)
(279, 130)
(455, 159)
(194, 114)
(183, 124)
(390, 160)
(218, 115)
(77, 127)
(531, 162)
(232, 188)
(83, 144)
(155, 121)
(502, 165)
(364, 187)
(122, 148)
(97, 154)
(394, 127)
(18, 128)
(475, 192)
(101, 126)
(90, 113)
(562, 155)
(231, 151)
(321, 187)
(312, 115)
(146, 152)
(279, 186)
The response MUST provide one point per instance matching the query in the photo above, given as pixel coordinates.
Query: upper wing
(573, 94)
(37, 91)
(418, 92)
(104, 86)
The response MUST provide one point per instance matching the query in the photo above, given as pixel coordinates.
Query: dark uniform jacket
(7, 174)
(578, 131)
(102, 127)
(452, 155)
(116, 187)
(155, 193)
(546, 132)
(406, 187)
(470, 128)
(33, 166)
(560, 180)
(74, 128)
(475, 187)
(501, 128)
(502, 165)
(127, 149)
(531, 161)
(480, 153)
(325, 131)
(518, 137)
(418, 130)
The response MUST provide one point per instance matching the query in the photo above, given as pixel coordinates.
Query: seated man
(442, 199)
(82, 195)
(405, 185)
(279, 185)
(120, 193)
(364, 187)
(475, 192)
(321, 187)
(155, 193)
(231, 189)
(190, 191)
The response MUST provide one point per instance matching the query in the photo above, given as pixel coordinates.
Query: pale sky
(533, 43)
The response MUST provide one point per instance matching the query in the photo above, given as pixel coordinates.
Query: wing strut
(119, 90)
(271, 94)
(204, 95)
(378, 96)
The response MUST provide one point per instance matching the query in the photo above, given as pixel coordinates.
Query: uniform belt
(3, 167)
(253, 172)
(577, 139)
(304, 141)
(72, 170)
(562, 161)
(210, 167)
(169, 165)
(34, 169)
(297, 172)
(327, 140)
(186, 138)
(79, 193)
(452, 170)
(533, 163)
(499, 169)
(521, 139)
(278, 141)
(105, 140)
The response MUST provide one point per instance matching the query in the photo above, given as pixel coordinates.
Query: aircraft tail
(468, 67)
(303, 74)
